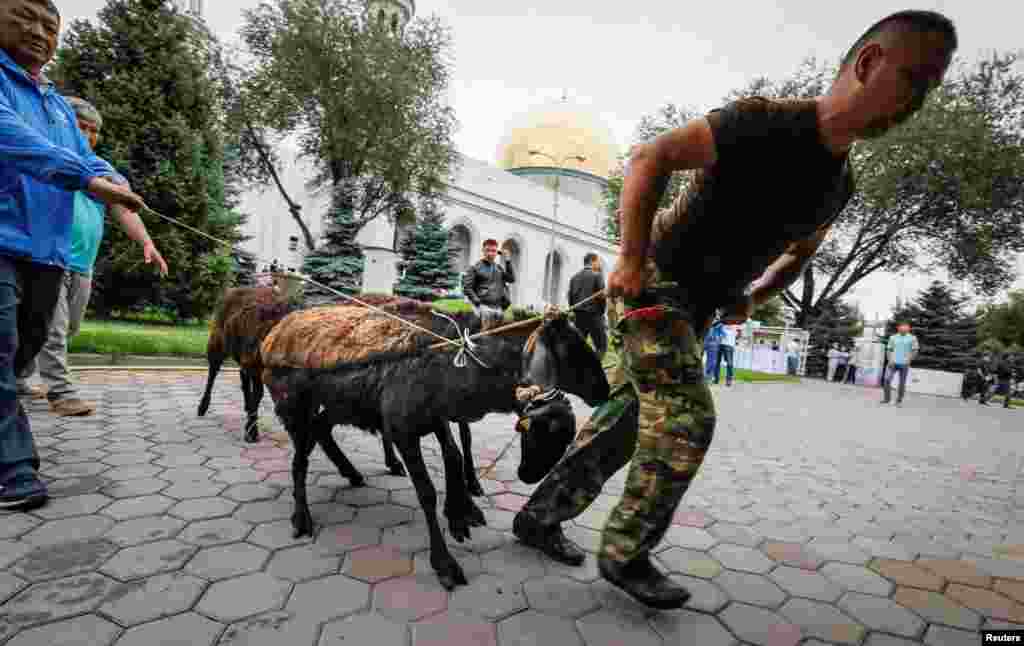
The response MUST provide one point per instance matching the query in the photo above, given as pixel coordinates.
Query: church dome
(559, 129)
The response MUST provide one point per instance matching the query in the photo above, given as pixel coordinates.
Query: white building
(553, 146)
(194, 7)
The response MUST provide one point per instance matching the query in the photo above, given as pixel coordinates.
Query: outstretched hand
(628, 278)
(151, 253)
(113, 194)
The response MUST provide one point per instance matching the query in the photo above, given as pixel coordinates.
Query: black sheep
(347, 365)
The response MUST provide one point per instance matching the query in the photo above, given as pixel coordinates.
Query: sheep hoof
(357, 481)
(302, 521)
(449, 572)
(203, 407)
(458, 524)
(475, 516)
(474, 488)
(396, 469)
(252, 435)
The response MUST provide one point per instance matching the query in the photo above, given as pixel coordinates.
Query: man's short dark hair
(50, 6)
(589, 258)
(913, 21)
(490, 242)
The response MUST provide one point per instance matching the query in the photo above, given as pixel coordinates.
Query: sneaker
(24, 494)
(72, 407)
(33, 392)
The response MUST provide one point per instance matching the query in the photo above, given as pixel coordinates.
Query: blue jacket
(44, 159)
(714, 335)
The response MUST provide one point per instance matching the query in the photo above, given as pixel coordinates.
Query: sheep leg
(303, 439)
(252, 407)
(330, 447)
(215, 362)
(459, 507)
(448, 570)
(395, 467)
(472, 480)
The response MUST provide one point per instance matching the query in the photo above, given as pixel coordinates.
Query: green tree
(366, 106)
(146, 68)
(338, 261)
(770, 314)
(947, 335)
(1003, 322)
(837, 323)
(426, 265)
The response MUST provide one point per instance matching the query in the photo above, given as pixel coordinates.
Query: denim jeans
(28, 296)
(711, 364)
(893, 370)
(725, 353)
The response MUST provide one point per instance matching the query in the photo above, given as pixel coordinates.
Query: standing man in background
(727, 351)
(486, 284)
(590, 316)
(712, 344)
(901, 350)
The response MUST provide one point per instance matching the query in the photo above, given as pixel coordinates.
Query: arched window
(394, 23)
(553, 278)
(459, 242)
(381, 18)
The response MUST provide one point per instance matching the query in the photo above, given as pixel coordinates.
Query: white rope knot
(465, 343)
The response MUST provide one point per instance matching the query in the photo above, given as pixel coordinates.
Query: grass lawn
(116, 337)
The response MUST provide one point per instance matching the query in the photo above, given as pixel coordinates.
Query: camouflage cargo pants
(660, 414)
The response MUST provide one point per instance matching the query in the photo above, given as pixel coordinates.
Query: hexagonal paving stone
(73, 506)
(987, 602)
(87, 630)
(880, 614)
(689, 562)
(364, 496)
(377, 563)
(134, 488)
(514, 562)
(138, 507)
(223, 561)
(66, 529)
(188, 489)
(301, 563)
(490, 597)
(1010, 589)
(884, 549)
(201, 508)
(838, 551)
(244, 596)
(690, 537)
(138, 602)
(759, 626)
(532, 628)
(122, 459)
(957, 571)
(11, 551)
(744, 559)
(277, 534)
(15, 525)
(239, 476)
(559, 596)
(252, 492)
(736, 534)
(754, 589)
(604, 628)
(823, 621)
(188, 629)
(705, 596)
(410, 598)
(218, 531)
(453, 629)
(270, 629)
(908, 574)
(687, 627)
(64, 559)
(410, 538)
(484, 539)
(144, 530)
(857, 578)
(339, 539)
(45, 602)
(945, 636)
(364, 629)
(383, 515)
(133, 472)
(145, 560)
(801, 583)
(793, 554)
(9, 584)
(328, 598)
(937, 608)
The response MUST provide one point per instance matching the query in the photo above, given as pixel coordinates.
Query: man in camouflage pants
(782, 166)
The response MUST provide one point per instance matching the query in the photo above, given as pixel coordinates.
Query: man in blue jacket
(44, 159)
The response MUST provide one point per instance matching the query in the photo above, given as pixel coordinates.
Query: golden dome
(559, 129)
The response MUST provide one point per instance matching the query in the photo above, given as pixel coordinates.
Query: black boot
(642, 581)
(546, 538)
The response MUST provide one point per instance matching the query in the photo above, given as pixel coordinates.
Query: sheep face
(562, 359)
(545, 432)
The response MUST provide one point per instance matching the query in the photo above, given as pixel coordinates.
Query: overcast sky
(624, 59)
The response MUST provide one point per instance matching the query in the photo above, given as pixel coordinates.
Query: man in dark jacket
(45, 160)
(590, 316)
(485, 283)
(1004, 374)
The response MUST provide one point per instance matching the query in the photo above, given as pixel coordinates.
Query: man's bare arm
(787, 268)
(651, 166)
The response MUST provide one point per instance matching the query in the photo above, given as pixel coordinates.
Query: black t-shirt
(582, 286)
(774, 183)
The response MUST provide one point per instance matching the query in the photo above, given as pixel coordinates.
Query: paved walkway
(820, 517)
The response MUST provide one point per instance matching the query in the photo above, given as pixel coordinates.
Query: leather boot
(642, 581)
(546, 538)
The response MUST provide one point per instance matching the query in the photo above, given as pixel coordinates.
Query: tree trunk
(807, 298)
